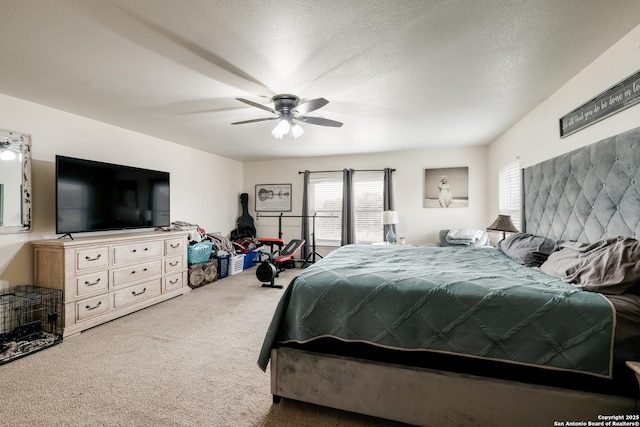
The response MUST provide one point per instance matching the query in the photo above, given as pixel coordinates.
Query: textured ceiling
(399, 74)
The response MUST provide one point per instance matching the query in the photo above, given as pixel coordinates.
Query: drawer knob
(175, 245)
(135, 294)
(91, 284)
(94, 307)
(173, 282)
(88, 258)
(173, 264)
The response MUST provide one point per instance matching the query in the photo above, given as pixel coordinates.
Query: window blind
(325, 198)
(509, 202)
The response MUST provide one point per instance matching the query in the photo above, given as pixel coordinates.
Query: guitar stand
(271, 266)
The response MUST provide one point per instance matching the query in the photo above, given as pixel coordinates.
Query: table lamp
(503, 223)
(390, 218)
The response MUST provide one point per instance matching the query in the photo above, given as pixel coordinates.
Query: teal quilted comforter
(466, 301)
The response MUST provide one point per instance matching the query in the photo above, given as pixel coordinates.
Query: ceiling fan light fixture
(288, 108)
(282, 129)
(277, 134)
(296, 130)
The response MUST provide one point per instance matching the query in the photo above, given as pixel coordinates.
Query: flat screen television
(96, 196)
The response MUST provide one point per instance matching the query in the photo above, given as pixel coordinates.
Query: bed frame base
(426, 397)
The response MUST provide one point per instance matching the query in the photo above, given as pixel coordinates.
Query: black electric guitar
(246, 227)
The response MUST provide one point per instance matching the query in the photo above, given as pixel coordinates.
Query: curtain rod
(295, 216)
(355, 170)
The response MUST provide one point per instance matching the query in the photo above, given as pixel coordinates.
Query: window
(325, 199)
(368, 197)
(509, 192)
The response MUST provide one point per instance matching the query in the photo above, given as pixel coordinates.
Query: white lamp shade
(296, 130)
(281, 129)
(390, 217)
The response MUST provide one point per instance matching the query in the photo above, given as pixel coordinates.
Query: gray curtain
(348, 214)
(387, 198)
(305, 234)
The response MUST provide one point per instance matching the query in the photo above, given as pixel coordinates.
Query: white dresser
(106, 277)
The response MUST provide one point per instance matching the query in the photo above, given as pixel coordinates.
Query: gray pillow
(609, 266)
(442, 237)
(528, 249)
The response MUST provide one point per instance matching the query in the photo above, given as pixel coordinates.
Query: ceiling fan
(288, 109)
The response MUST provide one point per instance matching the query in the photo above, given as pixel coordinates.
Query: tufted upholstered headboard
(587, 194)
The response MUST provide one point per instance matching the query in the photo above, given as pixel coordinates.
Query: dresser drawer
(174, 246)
(136, 293)
(87, 259)
(92, 283)
(106, 277)
(172, 282)
(173, 264)
(133, 273)
(137, 251)
(92, 307)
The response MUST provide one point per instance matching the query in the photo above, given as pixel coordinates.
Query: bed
(480, 336)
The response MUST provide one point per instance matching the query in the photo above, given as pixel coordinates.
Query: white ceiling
(399, 74)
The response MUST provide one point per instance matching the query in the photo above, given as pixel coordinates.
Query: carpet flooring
(189, 361)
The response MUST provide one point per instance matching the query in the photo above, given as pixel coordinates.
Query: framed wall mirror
(15, 182)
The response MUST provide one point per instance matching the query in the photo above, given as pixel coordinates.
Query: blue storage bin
(249, 257)
(223, 266)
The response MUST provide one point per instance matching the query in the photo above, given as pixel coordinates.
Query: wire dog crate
(30, 320)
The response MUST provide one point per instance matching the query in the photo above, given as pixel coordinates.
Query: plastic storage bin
(249, 257)
(236, 264)
(223, 267)
(199, 252)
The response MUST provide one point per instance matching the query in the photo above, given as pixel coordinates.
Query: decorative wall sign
(446, 188)
(611, 101)
(273, 198)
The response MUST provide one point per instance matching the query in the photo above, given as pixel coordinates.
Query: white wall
(419, 225)
(532, 139)
(203, 188)
(536, 137)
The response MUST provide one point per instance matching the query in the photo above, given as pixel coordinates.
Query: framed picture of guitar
(273, 198)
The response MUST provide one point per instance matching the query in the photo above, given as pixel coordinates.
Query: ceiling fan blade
(311, 105)
(254, 120)
(319, 121)
(255, 104)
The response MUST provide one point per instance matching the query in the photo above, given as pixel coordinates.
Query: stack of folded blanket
(467, 237)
